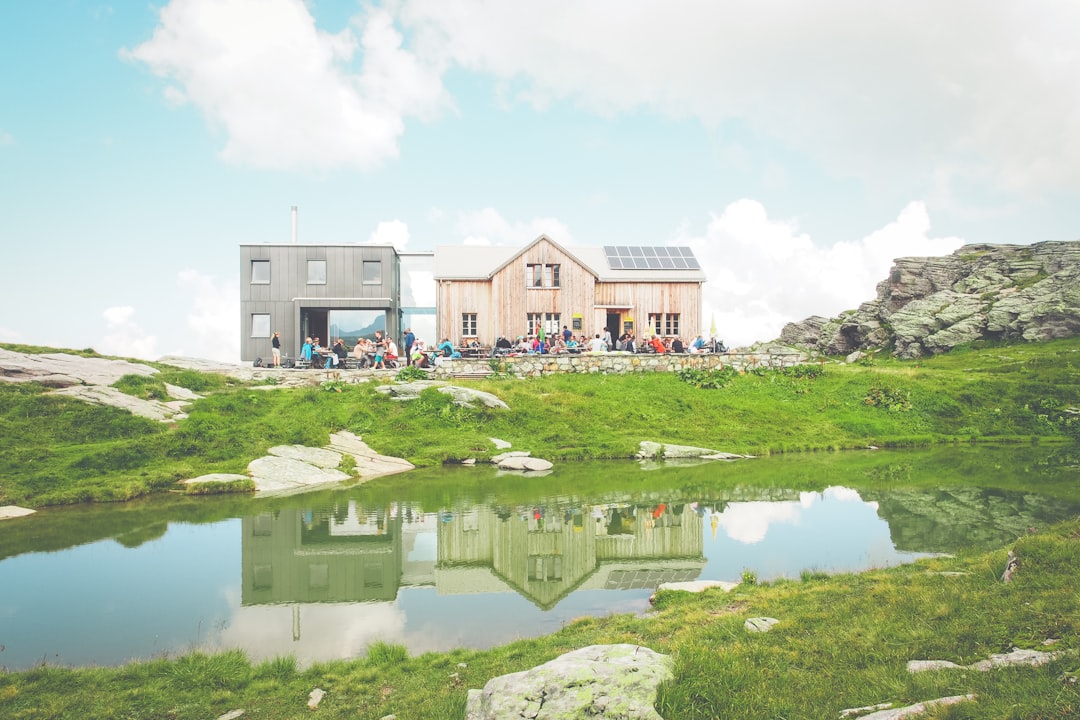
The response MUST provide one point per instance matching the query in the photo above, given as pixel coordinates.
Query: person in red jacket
(657, 344)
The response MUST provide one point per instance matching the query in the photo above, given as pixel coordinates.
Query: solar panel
(650, 257)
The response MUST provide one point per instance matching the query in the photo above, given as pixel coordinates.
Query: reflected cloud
(311, 632)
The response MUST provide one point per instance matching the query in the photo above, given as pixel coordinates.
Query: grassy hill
(55, 450)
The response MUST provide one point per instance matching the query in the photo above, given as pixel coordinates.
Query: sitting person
(597, 344)
(698, 345)
(502, 347)
(419, 357)
(446, 348)
(360, 352)
(677, 346)
(340, 351)
(657, 344)
(391, 351)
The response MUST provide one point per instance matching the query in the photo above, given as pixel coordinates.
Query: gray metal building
(329, 291)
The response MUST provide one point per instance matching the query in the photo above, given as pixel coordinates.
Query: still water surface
(472, 558)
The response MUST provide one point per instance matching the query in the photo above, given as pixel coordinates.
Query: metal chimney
(294, 224)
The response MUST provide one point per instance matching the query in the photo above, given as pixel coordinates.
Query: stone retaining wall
(611, 363)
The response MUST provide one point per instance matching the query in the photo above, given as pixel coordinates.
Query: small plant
(333, 386)
(410, 372)
(888, 398)
(749, 577)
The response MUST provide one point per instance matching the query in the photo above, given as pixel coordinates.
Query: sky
(797, 147)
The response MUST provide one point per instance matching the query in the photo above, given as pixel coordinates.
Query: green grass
(55, 450)
(842, 641)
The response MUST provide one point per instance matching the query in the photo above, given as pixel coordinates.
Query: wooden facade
(509, 292)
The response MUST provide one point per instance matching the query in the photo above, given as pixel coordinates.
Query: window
(534, 321)
(548, 321)
(545, 568)
(352, 324)
(372, 272)
(537, 275)
(316, 272)
(671, 324)
(468, 324)
(260, 325)
(551, 324)
(661, 324)
(260, 272)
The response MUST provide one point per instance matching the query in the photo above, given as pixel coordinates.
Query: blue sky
(797, 147)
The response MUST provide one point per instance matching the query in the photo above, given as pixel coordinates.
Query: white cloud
(125, 337)
(391, 232)
(989, 89)
(764, 273)
(213, 319)
(286, 94)
(489, 227)
(8, 335)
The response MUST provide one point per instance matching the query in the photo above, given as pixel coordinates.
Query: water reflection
(454, 561)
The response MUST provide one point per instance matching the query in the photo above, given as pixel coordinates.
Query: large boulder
(599, 681)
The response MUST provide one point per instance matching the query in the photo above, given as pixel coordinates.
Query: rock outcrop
(929, 305)
(599, 681)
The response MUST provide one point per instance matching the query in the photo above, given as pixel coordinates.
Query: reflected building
(320, 556)
(351, 554)
(546, 552)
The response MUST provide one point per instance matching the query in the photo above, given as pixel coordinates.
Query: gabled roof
(482, 262)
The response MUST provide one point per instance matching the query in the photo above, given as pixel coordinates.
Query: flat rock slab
(916, 709)
(13, 511)
(217, 477)
(462, 396)
(284, 476)
(599, 681)
(698, 585)
(529, 464)
(319, 457)
(64, 370)
(369, 463)
(104, 395)
(1017, 656)
(649, 449)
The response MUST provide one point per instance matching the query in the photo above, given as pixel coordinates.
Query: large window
(372, 272)
(671, 324)
(260, 325)
(548, 321)
(537, 275)
(468, 324)
(316, 272)
(352, 324)
(664, 324)
(260, 272)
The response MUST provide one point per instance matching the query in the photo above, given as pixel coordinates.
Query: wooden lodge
(487, 292)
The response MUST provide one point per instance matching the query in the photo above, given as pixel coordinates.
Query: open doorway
(613, 324)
